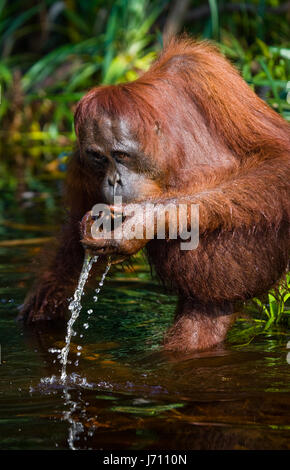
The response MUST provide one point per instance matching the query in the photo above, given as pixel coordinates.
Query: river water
(122, 391)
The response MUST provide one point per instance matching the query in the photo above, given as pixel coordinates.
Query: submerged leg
(198, 327)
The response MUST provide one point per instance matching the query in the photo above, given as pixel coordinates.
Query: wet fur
(206, 138)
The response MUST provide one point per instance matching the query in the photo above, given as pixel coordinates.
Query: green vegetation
(266, 316)
(52, 52)
(276, 306)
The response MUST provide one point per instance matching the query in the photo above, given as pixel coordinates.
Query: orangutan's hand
(126, 238)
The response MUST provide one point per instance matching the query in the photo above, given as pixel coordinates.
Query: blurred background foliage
(52, 52)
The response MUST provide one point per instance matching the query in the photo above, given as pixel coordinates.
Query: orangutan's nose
(114, 179)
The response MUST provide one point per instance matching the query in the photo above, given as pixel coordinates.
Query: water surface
(125, 393)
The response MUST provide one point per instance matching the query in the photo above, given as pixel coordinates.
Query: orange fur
(208, 140)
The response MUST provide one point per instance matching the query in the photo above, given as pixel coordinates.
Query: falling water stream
(75, 307)
(126, 392)
(76, 427)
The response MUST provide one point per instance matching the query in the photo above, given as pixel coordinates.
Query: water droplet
(75, 308)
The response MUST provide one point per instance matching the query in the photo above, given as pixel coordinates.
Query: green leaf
(147, 410)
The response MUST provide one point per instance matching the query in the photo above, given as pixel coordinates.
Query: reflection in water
(128, 394)
(71, 408)
(75, 427)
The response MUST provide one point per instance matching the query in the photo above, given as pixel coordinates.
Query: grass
(267, 316)
(276, 310)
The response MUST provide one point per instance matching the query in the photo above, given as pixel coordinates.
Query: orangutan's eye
(120, 156)
(96, 159)
(95, 156)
